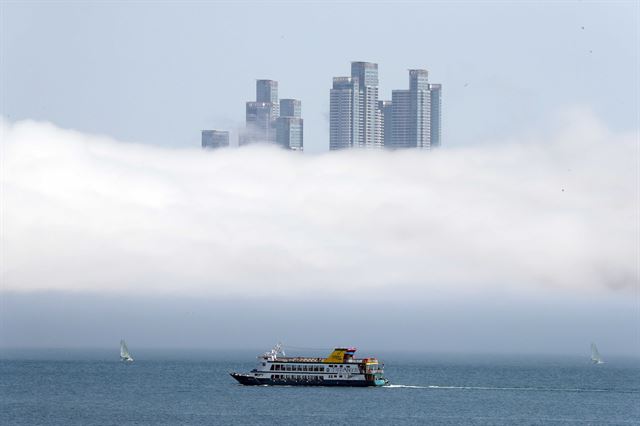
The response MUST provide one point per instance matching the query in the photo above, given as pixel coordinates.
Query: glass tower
(344, 129)
(370, 131)
(436, 119)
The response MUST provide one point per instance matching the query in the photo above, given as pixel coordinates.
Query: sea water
(76, 388)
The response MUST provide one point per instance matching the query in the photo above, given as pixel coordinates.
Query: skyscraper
(401, 119)
(355, 119)
(370, 131)
(436, 117)
(344, 125)
(290, 133)
(420, 108)
(411, 114)
(260, 121)
(290, 108)
(267, 91)
(386, 121)
(262, 113)
(215, 139)
(290, 125)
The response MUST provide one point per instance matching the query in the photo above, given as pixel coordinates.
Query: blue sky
(159, 72)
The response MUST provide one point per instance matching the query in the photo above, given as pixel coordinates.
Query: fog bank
(552, 210)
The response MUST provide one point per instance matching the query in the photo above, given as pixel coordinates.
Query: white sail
(124, 352)
(595, 355)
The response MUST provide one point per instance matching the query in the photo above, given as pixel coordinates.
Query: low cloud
(87, 213)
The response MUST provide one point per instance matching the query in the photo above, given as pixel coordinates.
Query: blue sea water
(447, 390)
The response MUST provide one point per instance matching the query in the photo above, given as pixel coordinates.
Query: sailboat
(125, 356)
(595, 355)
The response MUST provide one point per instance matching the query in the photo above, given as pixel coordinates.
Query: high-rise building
(344, 125)
(260, 123)
(386, 121)
(370, 131)
(290, 108)
(215, 139)
(420, 108)
(411, 114)
(436, 116)
(261, 114)
(290, 132)
(290, 125)
(401, 119)
(267, 91)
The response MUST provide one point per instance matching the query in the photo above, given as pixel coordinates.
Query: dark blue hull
(256, 381)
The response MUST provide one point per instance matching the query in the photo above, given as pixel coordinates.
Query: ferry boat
(340, 368)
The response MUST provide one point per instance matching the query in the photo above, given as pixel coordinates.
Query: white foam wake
(493, 388)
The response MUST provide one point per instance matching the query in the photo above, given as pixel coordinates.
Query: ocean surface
(86, 388)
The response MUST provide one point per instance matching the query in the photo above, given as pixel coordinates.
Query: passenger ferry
(338, 369)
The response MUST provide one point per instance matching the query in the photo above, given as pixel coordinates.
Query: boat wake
(493, 388)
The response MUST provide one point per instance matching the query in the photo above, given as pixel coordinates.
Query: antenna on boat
(272, 355)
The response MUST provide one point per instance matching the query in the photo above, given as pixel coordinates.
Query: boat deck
(314, 360)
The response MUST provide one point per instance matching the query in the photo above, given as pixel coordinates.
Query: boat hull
(248, 380)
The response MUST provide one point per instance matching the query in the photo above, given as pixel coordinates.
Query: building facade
(267, 91)
(386, 121)
(261, 114)
(290, 108)
(260, 123)
(401, 119)
(414, 121)
(289, 133)
(290, 125)
(344, 107)
(356, 120)
(420, 133)
(436, 114)
(370, 130)
(212, 139)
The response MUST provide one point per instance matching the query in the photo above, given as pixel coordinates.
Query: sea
(76, 387)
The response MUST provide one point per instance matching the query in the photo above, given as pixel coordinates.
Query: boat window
(272, 367)
(288, 368)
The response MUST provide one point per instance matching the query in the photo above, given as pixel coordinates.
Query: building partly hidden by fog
(290, 125)
(355, 120)
(215, 139)
(272, 121)
(412, 119)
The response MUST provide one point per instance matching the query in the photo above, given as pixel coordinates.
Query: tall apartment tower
(436, 115)
(370, 131)
(411, 113)
(262, 113)
(267, 91)
(290, 108)
(215, 139)
(260, 123)
(355, 118)
(290, 125)
(386, 121)
(400, 119)
(344, 105)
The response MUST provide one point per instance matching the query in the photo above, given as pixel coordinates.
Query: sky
(520, 235)
(160, 72)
